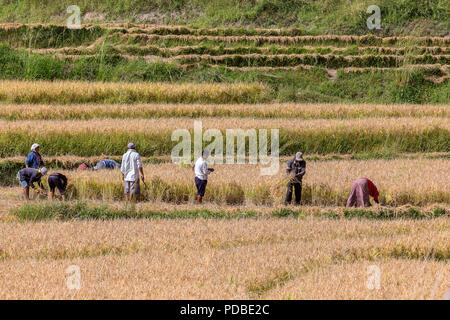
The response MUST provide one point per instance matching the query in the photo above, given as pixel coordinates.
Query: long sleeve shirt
(373, 191)
(131, 162)
(30, 175)
(201, 169)
(34, 160)
(298, 168)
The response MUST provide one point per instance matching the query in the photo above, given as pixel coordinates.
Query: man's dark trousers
(297, 186)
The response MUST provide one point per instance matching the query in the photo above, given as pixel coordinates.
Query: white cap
(34, 146)
(205, 153)
(299, 156)
(43, 171)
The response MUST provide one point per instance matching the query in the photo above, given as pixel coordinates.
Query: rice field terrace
(357, 105)
(327, 183)
(292, 66)
(186, 47)
(226, 259)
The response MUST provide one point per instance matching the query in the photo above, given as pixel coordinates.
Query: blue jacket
(107, 164)
(111, 164)
(34, 160)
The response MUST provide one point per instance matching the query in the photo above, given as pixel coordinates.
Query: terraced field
(230, 47)
(327, 183)
(296, 67)
(226, 259)
(357, 106)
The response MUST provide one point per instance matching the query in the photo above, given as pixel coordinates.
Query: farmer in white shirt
(131, 168)
(201, 175)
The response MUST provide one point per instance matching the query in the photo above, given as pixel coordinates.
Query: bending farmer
(57, 180)
(106, 164)
(28, 177)
(361, 190)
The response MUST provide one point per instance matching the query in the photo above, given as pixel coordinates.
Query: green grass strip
(80, 210)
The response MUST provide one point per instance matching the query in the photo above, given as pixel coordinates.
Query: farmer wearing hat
(34, 159)
(29, 176)
(296, 169)
(131, 169)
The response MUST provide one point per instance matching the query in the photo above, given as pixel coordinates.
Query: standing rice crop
(273, 110)
(400, 182)
(63, 92)
(94, 137)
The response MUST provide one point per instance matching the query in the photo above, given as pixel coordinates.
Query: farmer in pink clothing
(362, 189)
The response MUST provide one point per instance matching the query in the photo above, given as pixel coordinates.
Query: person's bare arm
(141, 171)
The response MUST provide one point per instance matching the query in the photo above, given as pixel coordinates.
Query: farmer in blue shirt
(106, 164)
(34, 159)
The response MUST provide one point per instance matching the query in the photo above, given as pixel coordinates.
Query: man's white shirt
(131, 162)
(201, 169)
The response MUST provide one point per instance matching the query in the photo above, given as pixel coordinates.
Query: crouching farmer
(57, 180)
(201, 175)
(131, 168)
(362, 189)
(106, 164)
(28, 177)
(296, 169)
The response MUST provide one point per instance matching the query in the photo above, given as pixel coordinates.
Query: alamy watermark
(257, 146)
(73, 281)
(447, 296)
(74, 20)
(374, 21)
(373, 281)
